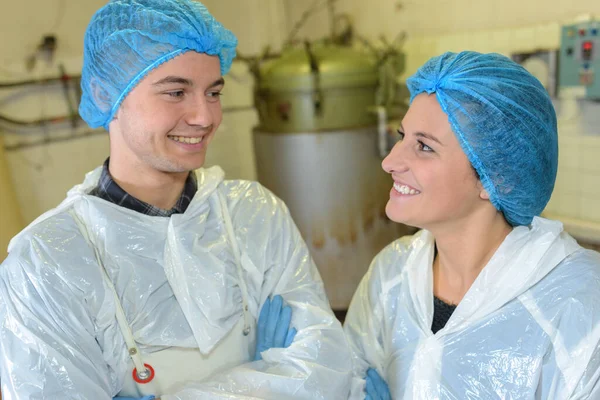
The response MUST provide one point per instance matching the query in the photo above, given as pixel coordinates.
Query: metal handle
(316, 74)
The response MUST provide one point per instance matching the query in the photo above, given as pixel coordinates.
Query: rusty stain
(369, 218)
(368, 221)
(341, 238)
(353, 235)
(343, 228)
(318, 238)
(283, 109)
(318, 243)
(341, 271)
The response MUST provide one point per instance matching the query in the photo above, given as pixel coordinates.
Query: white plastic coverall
(528, 328)
(59, 337)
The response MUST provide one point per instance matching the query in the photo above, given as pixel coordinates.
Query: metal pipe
(42, 122)
(5, 85)
(37, 122)
(73, 114)
(48, 140)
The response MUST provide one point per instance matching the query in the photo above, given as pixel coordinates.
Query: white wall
(11, 220)
(441, 17)
(22, 25)
(41, 175)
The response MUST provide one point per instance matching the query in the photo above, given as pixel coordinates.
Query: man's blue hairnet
(126, 39)
(505, 122)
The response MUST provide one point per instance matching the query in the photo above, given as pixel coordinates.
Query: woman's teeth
(404, 189)
(183, 139)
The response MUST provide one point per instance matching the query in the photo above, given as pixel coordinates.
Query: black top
(442, 312)
(109, 190)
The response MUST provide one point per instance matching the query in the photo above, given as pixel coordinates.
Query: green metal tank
(319, 146)
(318, 87)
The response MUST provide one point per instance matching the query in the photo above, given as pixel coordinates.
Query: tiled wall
(577, 192)
(505, 41)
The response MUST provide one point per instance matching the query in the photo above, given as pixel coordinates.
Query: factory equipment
(319, 144)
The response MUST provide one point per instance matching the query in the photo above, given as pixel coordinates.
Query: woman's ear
(483, 194)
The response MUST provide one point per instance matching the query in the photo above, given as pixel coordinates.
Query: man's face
(167, 121)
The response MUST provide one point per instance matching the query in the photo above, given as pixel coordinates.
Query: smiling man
(160, 133)
(148, 279)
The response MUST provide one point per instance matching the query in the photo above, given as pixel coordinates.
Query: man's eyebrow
(218, 82)
(174, 79)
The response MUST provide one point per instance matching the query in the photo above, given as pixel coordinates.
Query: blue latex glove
(376, 389)
(150, 397)
(274, 326)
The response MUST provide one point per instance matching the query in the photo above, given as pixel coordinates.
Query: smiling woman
(428, 165)
(488, 300)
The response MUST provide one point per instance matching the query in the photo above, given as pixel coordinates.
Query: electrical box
(579, 60)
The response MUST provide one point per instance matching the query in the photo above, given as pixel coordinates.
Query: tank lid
(338, 67)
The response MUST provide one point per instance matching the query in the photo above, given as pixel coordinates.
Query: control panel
(579, 59)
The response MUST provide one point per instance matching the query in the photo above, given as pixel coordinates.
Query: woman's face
(434, 183)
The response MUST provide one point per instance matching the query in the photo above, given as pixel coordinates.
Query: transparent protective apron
(168, 370)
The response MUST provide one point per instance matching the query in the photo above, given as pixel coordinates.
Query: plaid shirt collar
(109, 190)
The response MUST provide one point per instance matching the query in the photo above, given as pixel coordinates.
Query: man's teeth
(189, 140)
(404, 189)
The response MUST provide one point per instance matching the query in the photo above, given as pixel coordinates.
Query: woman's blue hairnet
(505, 122)
(126, 39)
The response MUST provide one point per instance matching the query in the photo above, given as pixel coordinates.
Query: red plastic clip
(137, 378)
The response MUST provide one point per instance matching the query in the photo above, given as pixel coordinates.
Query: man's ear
(100, 95)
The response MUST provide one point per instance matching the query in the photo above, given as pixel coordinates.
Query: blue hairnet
(505, 122)
(126, 39)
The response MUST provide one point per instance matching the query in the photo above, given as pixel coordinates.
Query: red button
(582, 32)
